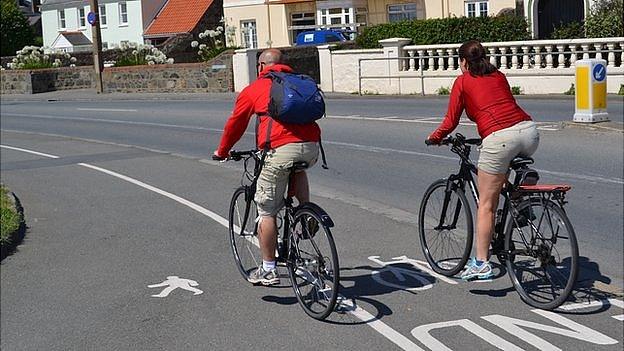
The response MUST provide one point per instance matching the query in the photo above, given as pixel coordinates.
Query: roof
(60, 4)
(178, 16)
(75, 38)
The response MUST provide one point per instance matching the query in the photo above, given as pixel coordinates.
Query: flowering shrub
(34, 57)
(133, 54)
(212, 44)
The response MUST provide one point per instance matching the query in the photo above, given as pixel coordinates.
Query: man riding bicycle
(285, 144)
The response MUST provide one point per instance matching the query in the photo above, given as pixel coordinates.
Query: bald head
(270, 57)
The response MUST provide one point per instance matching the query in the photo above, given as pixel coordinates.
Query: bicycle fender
(325, 219)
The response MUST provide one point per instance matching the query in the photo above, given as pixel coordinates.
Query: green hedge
(448, 30)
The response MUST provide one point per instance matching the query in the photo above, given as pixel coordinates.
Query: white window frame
(345, 16)
(62, 21)
(249, 39)
(476, 8)
(103, 18)
(82, 18)
(123, 13)
(403, 10)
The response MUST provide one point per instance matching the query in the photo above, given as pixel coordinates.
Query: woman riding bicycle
(507, 131)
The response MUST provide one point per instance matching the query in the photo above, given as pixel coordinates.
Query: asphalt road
(131, 200)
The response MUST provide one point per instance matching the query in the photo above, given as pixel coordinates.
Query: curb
(18, 235)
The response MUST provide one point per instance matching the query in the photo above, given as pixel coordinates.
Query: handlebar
(456, 140)
(236, 155)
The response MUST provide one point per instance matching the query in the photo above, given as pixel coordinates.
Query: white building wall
(112, 33)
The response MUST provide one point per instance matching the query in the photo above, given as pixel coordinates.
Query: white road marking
(173, 282)
(29, 151)
(367, 148)
(107, 109)
(358, 312)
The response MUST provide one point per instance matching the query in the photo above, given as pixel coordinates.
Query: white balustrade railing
(517, 55)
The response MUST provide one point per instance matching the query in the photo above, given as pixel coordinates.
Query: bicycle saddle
(520, 161)
(300, 165)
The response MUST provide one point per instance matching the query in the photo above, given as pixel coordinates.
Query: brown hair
(474, 54)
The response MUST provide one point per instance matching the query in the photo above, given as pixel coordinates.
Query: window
(123, 13)
(105, 45)
(249, 34)
(477, 9)
(103, 21)
(61, 19)
(330, 38)
(81, 18)
(301, 22)
(335, 17)
(404, 12)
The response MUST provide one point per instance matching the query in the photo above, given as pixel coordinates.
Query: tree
(605, 19)
(15, 32)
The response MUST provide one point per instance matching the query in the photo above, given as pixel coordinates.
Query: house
(30, 9)
(266, 23)
(120, 21)
(180, 18)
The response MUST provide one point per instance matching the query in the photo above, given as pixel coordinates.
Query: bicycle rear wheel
(313, 263)
(542, 253)
(243, 231)
(446, 242)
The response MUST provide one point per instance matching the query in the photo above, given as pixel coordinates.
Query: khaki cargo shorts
(273, 179)
(500, 147)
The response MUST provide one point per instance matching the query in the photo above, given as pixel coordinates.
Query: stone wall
(42, 80)
(211, 77)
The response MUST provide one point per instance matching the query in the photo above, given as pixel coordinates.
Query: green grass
(443, 91)
(516, 90)
(9, 218)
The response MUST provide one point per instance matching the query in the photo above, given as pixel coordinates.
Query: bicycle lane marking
(349, 306)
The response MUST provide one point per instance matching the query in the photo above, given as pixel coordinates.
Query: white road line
(107, 109)
(356, 311)
(596, 303)
(367, 148)
(28, 151)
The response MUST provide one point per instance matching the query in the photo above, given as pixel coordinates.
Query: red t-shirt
(488, 102)
(254, 99)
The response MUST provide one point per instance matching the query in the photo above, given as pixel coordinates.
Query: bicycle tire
(522, 242)
(309, 265)
(441, 261)
(245, 245)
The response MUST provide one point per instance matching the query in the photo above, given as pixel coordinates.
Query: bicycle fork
(445, 207)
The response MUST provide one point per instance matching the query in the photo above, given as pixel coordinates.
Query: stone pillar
(325, 67)
(393, 49)
(244, 66)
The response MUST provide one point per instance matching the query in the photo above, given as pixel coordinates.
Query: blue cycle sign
(92, 18)
(599, 72)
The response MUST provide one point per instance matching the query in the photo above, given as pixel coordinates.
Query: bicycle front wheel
(243, 231)
(445, 227)
(313, 263)
(542, 253)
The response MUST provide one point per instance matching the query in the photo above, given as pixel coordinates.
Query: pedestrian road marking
(347, 305)
(173, 282)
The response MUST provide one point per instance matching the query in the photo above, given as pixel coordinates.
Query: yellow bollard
(591, 91)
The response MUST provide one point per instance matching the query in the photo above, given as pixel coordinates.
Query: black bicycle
(533, 236)
(305, 246)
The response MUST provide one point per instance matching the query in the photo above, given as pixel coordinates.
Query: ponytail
(474, 54)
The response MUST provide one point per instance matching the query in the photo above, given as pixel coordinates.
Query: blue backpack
(295, 98)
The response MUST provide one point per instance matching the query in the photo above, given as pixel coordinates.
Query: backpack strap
(324, 164)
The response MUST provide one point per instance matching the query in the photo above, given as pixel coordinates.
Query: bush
(133, 54)
(605, 19)
(443, 91)
(34, 57)
(516, 90)
(448, 30)
(572, 30)
(621, 91)
(210, 43)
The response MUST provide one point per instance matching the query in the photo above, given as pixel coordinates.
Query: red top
(488, 102)
(254, 99)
